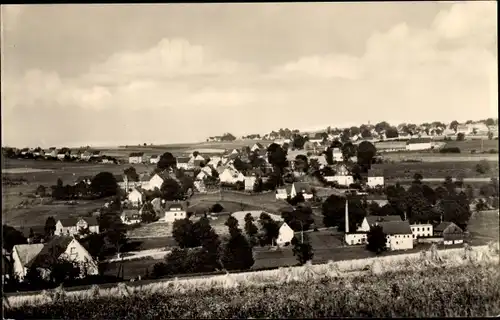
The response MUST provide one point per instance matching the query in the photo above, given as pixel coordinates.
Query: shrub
(482, 167)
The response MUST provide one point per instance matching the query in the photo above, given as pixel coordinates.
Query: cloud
(406, 73)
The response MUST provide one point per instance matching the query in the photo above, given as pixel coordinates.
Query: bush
(482, 167)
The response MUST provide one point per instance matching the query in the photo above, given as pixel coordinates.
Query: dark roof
(136, 154)
(52, 249)
(302, 186)
(419, 140)
(154, 156)
(373, 219)
(376, 173)
(97, 152)
(181, 206)
(130, 213)
(395, 227)
(182, 160)
(444, 226)
(198, 162)
(72, 221)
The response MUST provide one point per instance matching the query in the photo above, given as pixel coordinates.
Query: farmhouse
(451, 233)
(230, 175)
(135, 197)
(85, 155)
(175, 211)
(398, 235)
(340, 170)
(257, 146)
(464, 128)
(337, 155)
(375, 178)
(283, 193)
(136, 157)
(62, 154)
(154, 159)
(72, 226)
(301, 187)
(416, 144)
(421, 230)
(130, 216)
(51, 153)
(250, 182)
(39, 256)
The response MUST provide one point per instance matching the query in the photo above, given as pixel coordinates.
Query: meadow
(458, 282)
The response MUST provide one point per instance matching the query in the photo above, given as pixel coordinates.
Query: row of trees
(102, 185)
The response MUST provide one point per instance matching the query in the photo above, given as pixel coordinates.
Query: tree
(354, 131)
(11, 237)
(148, 213)
(237, 252)
(240, 165)
(376, 239)
(460, 137)
(366, 153)
(382, 126)
(298, 141)
(366, 133)
(131, 174)
(299, 218)
(104, 184)
(270, 230)
(210, 242)
(171, 190)
(58, 190)
(302, 250)
(227, 137)
(391, 132)
(41, 191)
(417, 178)
(63, 270)
(183, 233)
(301, 163)
(454, 125)
(50, 226)
(251, 229)
(482, 167)
(349, 150)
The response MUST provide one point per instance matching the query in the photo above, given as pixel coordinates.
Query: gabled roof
(27, 252)
(72, 221)
(176, 206)
(419, 140)
(154, 156)
(54, 248)
(445, 224)
(182, 160)
(130, 213)
(395, 227)
(136, 154)
(376, 173)
(373, 219)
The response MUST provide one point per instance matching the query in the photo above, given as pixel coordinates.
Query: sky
(88, 74)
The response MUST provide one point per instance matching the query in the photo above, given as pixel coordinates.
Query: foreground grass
(465, 283)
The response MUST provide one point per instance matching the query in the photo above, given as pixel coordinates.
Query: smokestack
(405, 216)
(346, 216)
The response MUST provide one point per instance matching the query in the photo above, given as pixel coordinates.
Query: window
(428, 229)
(418, 229)
(396, 242)
(352, 241)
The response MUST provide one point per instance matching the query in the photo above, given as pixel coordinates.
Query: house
(341, 170)
(451, 233)
(202, 175)
(62, 154)
(86, 155)
(337, 155)
(72, 226)
(371, 221)
(250, 182)
(6, 266)
(199, 185)
(230, 175)
(214, 161)
(257, 146)
(39, 255)
(340, 179)
(301, 187)
(135, 197)
(154, 159)
(126, 184)
(136, 157)
(235, 152)
(285, 234)
(95, 154)
(38, 152)
(182, 163)
(415, 144)
(51, 153)
(398, 235)
(375, 178)
(479, 128)
(464, 128)
(283, 192)
(74, 154)
(421, 230)
(175, 211)
(130, 216)
(196, 162)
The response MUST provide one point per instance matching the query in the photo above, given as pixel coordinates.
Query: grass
(467, 145)
(406, 170)
(458, 282)
(428, 156)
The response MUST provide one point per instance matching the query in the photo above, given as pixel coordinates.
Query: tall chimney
(346, 216)
(405, 216)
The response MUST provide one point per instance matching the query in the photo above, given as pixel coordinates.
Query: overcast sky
(123, 74)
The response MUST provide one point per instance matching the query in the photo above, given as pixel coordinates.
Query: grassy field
(406, 170)
(442, 284)
(439, 157)
(467, 145)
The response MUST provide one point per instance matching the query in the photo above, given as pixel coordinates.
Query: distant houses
(417, 144)
(136, 157)
(72, 226)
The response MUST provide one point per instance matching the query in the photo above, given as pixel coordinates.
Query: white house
(285, 234)
(451, 233)
(355, 238)
(230, 175)
(421, 230)
(257, 146)
(154, 159)
(62, 154)
(250, 182)
(235, 152)
(340, 179)
(341, 170)
(321, 160)
(155, 182)
(464, 128)
(283, 193)
(371, 221)
(214, 161)
(136, 157)
(375, 178)
(130, 216)
(72, 226)
(199, 185)
(135, 197)
(415, 144)
(26, 256)
(182, 163)
(301, 187)
(398, 235)
(175, 211)
(51, 153)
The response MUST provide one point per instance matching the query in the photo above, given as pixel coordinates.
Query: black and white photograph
(277, 160)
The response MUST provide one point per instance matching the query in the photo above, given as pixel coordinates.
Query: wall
(400, 242)
(355, 238)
